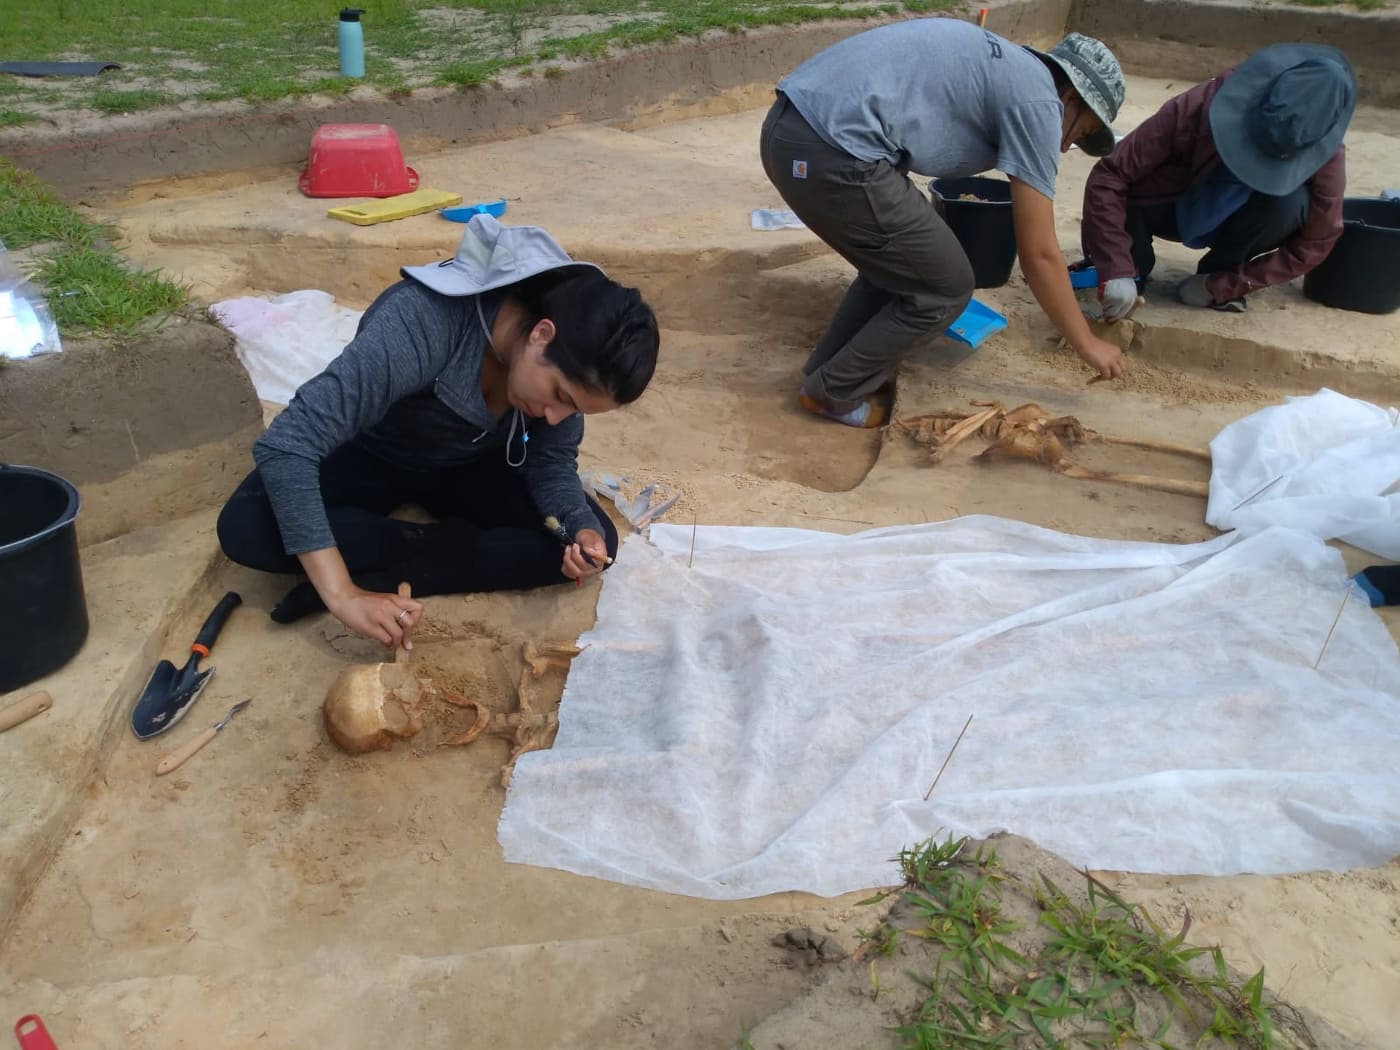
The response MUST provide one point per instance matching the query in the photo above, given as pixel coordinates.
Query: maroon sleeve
(1305, 249)
(1144, 150)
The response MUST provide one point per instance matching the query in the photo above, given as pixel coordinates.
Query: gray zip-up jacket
(407, 389)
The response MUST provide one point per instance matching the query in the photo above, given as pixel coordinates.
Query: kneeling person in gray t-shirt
(943, 98)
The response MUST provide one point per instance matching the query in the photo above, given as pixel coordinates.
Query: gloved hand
(1195, 291)
(1118, 296)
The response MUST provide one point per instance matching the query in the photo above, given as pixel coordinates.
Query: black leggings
(489, 535)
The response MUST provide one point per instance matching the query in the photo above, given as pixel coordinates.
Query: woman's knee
(248, 533)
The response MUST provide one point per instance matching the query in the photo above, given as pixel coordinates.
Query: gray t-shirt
(935, 95)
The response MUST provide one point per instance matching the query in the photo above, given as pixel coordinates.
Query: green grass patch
(31, 213)
(1065, 970)
(471, 74)
(262, 51)
(113, 101)
(13, 118)
(87, 286)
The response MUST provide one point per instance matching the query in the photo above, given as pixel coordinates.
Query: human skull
(369, 707)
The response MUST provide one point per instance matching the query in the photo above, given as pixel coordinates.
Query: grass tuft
(112, 101)
(96, 292)
(83, 278)
(31, 213)
(1098, 971)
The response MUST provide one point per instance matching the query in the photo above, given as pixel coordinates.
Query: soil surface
(275, 892)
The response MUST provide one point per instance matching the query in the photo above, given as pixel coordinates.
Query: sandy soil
(277, 893)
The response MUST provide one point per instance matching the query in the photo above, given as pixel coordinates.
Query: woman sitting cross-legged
(463, 391)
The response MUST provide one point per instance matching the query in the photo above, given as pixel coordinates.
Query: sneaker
(867, 415)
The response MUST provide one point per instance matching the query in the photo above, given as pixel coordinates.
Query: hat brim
(1238, 97)
(448, 279)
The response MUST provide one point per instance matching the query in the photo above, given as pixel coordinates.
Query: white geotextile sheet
(770, 718)
(1326, 463)
(285, 340)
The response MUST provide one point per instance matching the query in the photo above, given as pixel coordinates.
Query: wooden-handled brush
(557, 530)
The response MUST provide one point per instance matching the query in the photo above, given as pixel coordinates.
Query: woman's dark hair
(606, 338)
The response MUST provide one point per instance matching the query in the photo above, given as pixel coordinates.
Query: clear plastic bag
(26, 326)
(640, 504)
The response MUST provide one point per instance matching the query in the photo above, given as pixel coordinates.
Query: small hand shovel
(170, 693)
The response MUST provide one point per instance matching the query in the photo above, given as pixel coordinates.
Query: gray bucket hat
(1093, 71)
(493, 256)
(1281, 115)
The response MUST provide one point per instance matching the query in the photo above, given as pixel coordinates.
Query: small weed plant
(1086, 970)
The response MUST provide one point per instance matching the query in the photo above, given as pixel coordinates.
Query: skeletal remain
(1030, 432)
(367, 708)
(940, 433)
(1044, 447)
(1194, 451)
(540, 658)
(370, 706)
(528, 728)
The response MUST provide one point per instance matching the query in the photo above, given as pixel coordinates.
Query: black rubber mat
(57, 69)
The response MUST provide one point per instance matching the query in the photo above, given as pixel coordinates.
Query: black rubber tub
(983, 226)
(1363, 271)
(41, 579)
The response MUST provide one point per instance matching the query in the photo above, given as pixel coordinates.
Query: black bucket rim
(951, 179)
(1385, 204)
(69, 515)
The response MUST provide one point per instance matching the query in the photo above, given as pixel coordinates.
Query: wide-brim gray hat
(1094, 72)
(492, 256)
(1281, 115)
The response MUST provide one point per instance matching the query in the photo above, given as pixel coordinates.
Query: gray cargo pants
(913, 278)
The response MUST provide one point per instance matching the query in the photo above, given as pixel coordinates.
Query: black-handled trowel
(170, 693)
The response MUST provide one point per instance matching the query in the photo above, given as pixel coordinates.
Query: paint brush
(557, 530)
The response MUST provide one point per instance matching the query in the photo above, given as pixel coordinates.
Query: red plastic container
(32, 1034)
(356, 160)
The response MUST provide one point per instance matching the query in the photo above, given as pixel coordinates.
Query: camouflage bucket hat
(1093, 71)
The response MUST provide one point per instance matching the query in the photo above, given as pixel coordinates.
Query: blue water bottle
(352, 43)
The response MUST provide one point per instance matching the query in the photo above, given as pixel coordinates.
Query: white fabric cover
(1326, 463)
(770, 718)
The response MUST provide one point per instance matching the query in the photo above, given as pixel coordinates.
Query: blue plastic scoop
(975, 323)
(464, 212)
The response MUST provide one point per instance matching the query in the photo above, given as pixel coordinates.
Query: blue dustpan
(976, 323)
(1087, 277)
(464, 212)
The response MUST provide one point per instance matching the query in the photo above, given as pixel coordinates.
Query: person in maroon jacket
(1249, 165)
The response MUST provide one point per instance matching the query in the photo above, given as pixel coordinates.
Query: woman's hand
(386, 618)
(588, 543)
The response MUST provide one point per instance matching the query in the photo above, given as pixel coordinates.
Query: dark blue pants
(489, 536)
(1260, 225)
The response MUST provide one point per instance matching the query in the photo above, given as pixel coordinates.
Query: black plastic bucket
(1363, 271)
(983, 227)
(41, 580)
